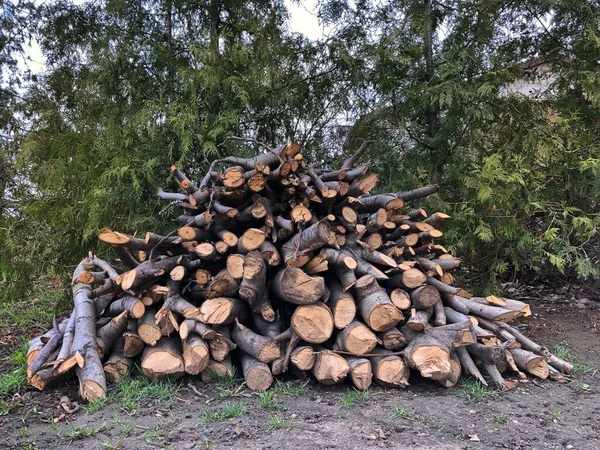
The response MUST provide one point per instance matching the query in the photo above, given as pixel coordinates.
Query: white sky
(303, 19)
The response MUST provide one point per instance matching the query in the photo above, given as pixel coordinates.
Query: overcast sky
(303, 19)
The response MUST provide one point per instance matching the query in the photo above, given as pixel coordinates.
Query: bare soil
(535, 415)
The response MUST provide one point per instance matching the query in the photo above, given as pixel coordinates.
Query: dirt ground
(534, 415)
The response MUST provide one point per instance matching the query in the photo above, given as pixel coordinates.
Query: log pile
(278, 266)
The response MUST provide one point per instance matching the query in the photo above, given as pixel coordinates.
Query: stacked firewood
(278, 266)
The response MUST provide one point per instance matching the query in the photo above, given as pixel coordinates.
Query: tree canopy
(132, 87)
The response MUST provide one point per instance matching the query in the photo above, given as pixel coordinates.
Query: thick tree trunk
(375, 306)
(164, 360)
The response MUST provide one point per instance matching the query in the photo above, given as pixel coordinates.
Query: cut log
(389, 370)
(257, 374)
(361, 372)
(342, 304)
(193, 326)
(392, 339)
(217, 370)
(164, 360)
(400, 299)
(110, 333)
(419, 320)
(260, 347)
(312, 238)
(357, 339)
(118, 366)
(147, 271)
(223, 310)
(410, 279)
(530, 362)
(455, 370)
(425, 297)
(195, 354)
(295, 286)
(303, 357)
(251, 240)
(148, 329)
(221, 344)
(330, 368)
(134, 306)
(374, 305)
(469, 365)
(313, 323)
(133, 344)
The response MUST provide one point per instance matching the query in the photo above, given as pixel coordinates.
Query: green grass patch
(15, 379)
(473, 391)
(279, 423)
(289, 388)
(79, 431)
(133, 389)
(268, 400)
(403, 413)
(500, 418)
(354, 397)
(579, 368)
(224, 413)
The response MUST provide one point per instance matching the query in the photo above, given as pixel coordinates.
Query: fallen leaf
(473, 437)
(59, 418)
(381, 434)
(372, 437)
(239, 431)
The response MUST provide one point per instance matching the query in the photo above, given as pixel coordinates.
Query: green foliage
(133, 389)
(279, 423)
(224, 413)
(290, 388)
(131, 87)
(473, 391)
(579, 368)
(14, 378)
(354, 397)
(268, 400)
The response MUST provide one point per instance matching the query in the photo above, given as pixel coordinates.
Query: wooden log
(427, 354)
(425, 297)
(490, 312)
(330, 368)
(133, 343)
(195, 354)
(400, 299)
(217, 370)
(295, 286)
(410, 279)
(270, 254)
(312, 238)
(250, 240)
(252, 287)
(84, 351)
(147, 271)
(313, 323)
(530, 362)
(361, 372)
(132, 305)
(469, 365)
(108, 335)
(260, 347)
(303, 357)
(148, 329)
(392, 339)
(118, 366)
(347, 278)
(189, 326)
(455, 371)
(495, 375)
(164, 360)
(437, 219)
(439, 314)
(375, 306)
(256, 374)
(342, 304)
(221, 345)
(222, 310)
(487, 354)
(389, 370)
(40, 350)
(356, 338)
(429, 267)
(419, 319)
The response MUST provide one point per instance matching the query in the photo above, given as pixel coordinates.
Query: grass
(268, 400)
(403, 413)
(15, 380)
(228, 385)
(500, 418)
(579, 368)
(354, 397)
(279, 423)
(78, 431)
(96, 405)
(158, 438)
(473, 391)
(557, 415)
(289, 388)
(226, 412)
(133, 389)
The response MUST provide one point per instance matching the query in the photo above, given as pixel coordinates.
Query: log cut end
(303, 357)
(432, 361)
(344, 312)
(330, 368)
(313, 323)
(384, 316)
